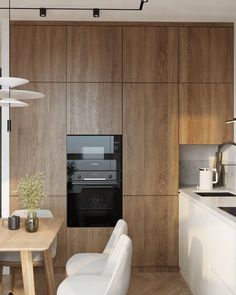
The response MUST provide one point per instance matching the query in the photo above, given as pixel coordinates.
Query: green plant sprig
(31, 191)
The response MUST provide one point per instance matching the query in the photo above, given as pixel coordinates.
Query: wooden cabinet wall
(205, 54)
(150, 54)
(153, 228)
(203, 109)
(94, 108)
(94, 54)
(38, 138)
(150, 139)
(205, 58)
(125, 79)
(38, 53)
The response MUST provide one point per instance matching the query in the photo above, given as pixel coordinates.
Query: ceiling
(154, 10)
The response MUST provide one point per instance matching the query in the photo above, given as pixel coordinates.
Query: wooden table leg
(27, 272)
(48, 263)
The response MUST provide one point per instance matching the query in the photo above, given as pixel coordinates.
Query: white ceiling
(154, 10)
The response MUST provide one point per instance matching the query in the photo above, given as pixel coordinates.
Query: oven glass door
(94, 206)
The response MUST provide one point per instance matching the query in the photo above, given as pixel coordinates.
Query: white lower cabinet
(207, 247)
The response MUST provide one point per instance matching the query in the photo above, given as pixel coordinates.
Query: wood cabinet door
(153, 228)
(150, 139)
(94, 108)
(203, 109)
(206, 54)
(38, 53)
(94, 54)
(90, 240)
(38, 138)
(150, 54)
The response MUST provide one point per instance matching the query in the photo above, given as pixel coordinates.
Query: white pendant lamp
(12, 102)
(20, 94)
(12, 81)
(10, 97)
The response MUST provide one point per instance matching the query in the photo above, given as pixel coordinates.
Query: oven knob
(109, 176)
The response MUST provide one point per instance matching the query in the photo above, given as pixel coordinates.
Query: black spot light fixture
(43, 12)
(95, 11)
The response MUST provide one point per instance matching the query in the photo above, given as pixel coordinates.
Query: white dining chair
(114, 280)
(93, 263)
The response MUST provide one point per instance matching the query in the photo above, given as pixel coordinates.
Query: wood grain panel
(94, 108)
(38, 53)
(57, 204)
(153, 228)
(150, 54)
(206, 55)
(38, 138)
(150, 139)
(203, 109)
(94, 54)
(87, 240)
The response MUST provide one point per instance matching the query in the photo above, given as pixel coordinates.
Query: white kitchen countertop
(212, 203)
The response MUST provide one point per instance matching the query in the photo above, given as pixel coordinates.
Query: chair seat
(86, 263)
(84, 285)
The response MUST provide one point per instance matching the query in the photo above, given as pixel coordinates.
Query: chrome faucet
(218, 162)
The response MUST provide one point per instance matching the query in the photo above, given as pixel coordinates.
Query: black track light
(43, 12)
(96, 12)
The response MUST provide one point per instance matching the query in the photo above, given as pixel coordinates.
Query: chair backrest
(118, 267)
(121, 228)
(40, 213)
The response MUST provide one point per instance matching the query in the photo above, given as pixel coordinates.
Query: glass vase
(32, 222)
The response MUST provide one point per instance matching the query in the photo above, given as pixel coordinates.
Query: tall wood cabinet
(150, 143)
(94, 54)
(206, 84)
(203, 109)
(205, 54)
(153, 228)
(38, 138)
(94, 108)
(158, 85)
(150, 139)
(38, 53)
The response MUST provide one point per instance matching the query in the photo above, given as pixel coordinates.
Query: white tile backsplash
(193, 157)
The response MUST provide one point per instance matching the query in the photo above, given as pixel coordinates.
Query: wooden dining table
(26, 243)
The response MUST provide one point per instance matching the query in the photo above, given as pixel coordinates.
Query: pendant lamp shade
(12, 102)
(20, 94)
(12, 81)
(230, 121)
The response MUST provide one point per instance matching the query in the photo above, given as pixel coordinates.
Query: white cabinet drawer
(222, 252)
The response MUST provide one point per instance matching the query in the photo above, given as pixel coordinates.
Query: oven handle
(94, 178)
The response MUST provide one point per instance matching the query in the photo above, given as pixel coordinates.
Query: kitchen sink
(215, 194)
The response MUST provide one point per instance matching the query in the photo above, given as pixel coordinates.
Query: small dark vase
(32, 222)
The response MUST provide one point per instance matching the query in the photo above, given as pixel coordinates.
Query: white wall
(5, 173)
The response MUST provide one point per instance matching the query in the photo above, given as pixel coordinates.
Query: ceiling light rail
(95, 11)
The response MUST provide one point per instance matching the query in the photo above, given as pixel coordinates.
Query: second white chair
(94, 263)
(114, 279)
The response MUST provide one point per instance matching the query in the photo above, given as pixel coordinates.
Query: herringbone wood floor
(160, 283)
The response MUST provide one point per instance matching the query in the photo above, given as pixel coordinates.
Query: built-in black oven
(94, 186)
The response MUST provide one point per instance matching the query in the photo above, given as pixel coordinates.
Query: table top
(21, 240)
